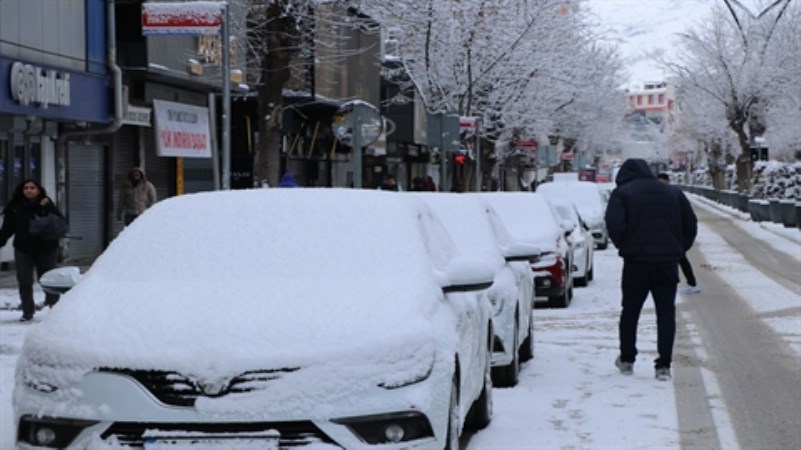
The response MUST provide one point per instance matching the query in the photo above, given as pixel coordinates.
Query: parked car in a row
(480, 233)
(530, 217)
(588, 199)
(581, 240)
(287, 317)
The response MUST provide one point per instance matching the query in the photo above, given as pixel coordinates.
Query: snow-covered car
(327, 318)
(530, 217)
(479, 233)
(606, 191)
(581, 238)
(588, 199)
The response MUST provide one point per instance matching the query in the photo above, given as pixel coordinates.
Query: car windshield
(527, 216)
(583, 194)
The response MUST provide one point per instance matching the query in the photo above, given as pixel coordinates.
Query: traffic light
(459, 159)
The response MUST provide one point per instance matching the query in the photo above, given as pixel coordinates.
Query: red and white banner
(182, 130)
(468, 123)
(529, 147)
(196, 18)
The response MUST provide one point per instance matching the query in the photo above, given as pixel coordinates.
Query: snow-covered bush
(773, 179)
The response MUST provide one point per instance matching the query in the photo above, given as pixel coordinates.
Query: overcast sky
(643, 27)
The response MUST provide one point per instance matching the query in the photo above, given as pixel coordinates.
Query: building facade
(651, 110)
(54, 76)
(83, 88)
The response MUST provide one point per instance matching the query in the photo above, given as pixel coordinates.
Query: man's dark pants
(660, 279)
(25, 264)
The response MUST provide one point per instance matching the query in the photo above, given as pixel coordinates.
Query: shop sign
(182, 130)
(468, 124)
(193, 18)
(528, 147)
(137, 116)
(32, 84)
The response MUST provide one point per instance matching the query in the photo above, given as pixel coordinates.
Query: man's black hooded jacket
(649, 221)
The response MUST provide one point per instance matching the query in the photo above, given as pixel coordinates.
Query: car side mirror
(60, 280)
(521, 251)
(467, 275)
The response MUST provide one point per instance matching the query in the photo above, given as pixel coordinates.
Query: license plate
(211, 444)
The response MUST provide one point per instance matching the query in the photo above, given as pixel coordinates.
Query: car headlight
(39, 377)
(545, 261)
(409, 367)
(497, 302)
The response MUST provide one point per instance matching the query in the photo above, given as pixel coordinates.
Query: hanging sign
(194, 18)
(468, 124)
(182, 130)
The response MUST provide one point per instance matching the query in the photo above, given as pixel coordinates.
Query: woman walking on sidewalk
(684, 263)
(31, 252)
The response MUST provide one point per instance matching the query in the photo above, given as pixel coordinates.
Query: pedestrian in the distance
(288, 181)
(136, 195)
(418, 184)
(652, 225)
(684, 263)
(390, 184)
(31, 252)
(429, 185)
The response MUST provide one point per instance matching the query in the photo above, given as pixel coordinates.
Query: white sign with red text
(195, 18)
(468, 124)
(182, 130)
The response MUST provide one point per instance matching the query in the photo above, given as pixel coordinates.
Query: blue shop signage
(38, 90)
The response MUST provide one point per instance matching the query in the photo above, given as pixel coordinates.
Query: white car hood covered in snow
(274, 278)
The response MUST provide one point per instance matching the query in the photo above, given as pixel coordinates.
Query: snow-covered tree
(734, 63)
(524, 67)
(286, 39)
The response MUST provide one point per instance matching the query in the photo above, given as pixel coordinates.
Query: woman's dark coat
(16, 221)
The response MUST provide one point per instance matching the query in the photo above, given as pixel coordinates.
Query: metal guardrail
(782, 211)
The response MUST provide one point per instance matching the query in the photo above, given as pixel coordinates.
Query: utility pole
(226, 99)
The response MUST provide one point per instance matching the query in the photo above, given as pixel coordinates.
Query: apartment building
(651, 110)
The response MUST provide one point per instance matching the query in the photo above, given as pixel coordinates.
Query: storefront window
(34, 170)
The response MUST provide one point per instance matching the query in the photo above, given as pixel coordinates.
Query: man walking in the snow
(652, 225)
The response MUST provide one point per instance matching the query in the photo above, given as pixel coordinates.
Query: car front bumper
(545, 286)
(115, 408)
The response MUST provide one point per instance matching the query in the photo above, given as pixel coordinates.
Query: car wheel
(603, 245)
(507, 376)
(480, 413)
(527, 349)
(590, 274)
(580, 281)
(452, 439)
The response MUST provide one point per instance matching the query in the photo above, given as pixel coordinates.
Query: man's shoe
(26, 318)
(663, 373)
(626, 368)
(690, 290)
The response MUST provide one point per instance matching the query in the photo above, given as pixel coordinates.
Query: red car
(530, 217)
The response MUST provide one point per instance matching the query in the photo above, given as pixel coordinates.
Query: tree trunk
(267, 160)
(737, 123)
(744, 171)
(279, 39)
